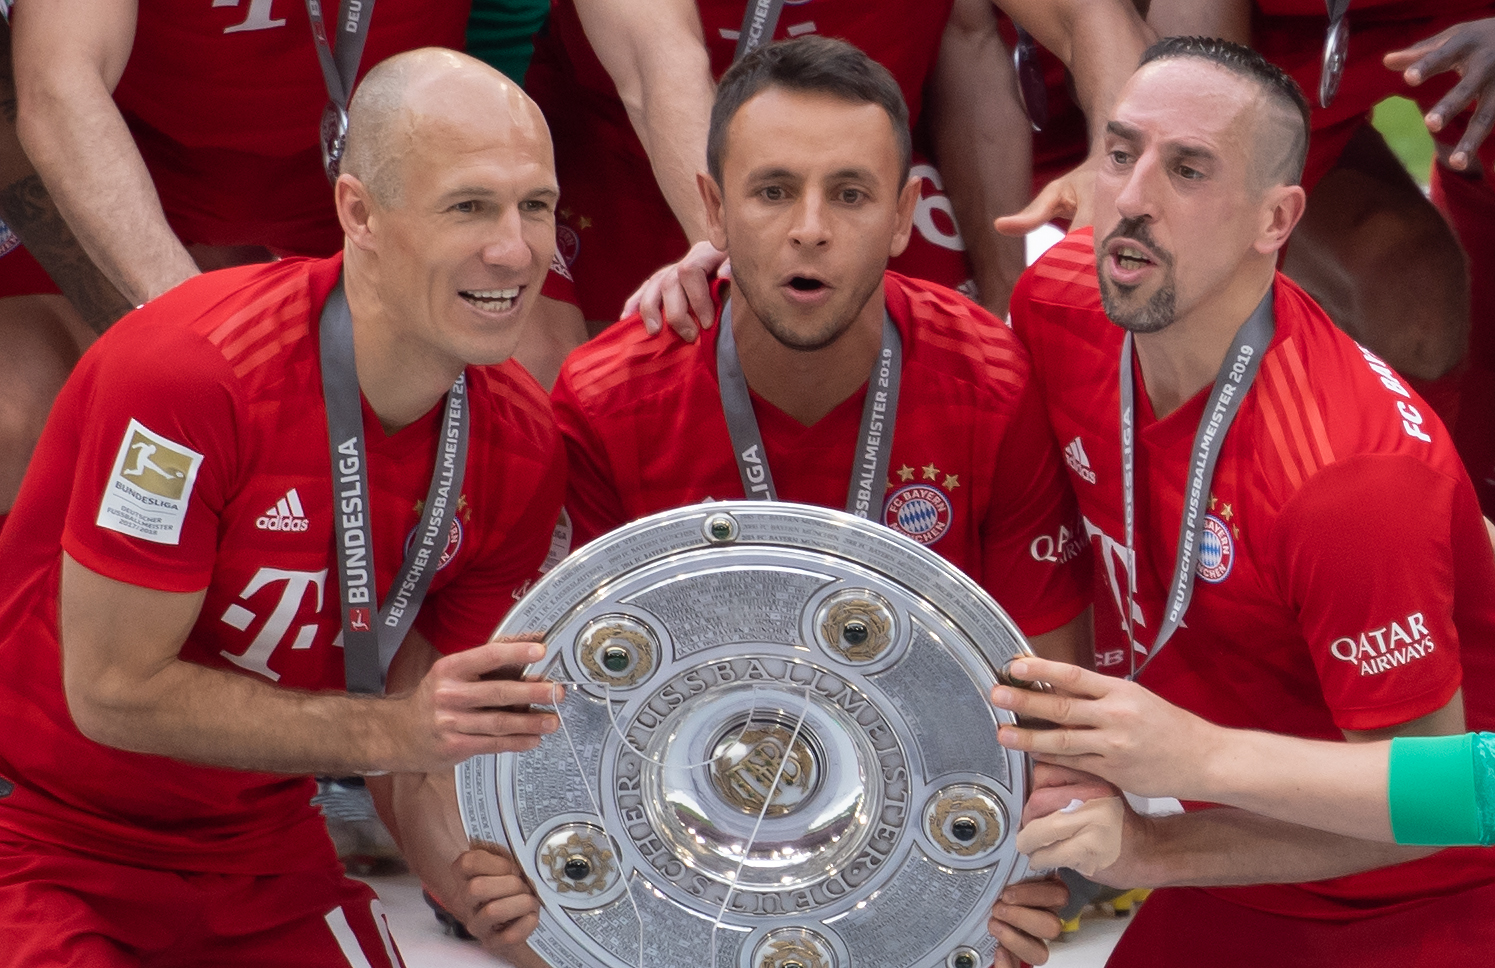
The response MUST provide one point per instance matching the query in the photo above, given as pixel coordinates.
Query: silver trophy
(776, 749)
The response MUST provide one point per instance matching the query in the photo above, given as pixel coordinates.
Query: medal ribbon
(371, 635)
(340, 63)
(869, 476)
(759, 21)
(1237, 373)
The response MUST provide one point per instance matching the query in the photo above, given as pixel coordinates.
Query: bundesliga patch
(1216, 550)
(9, 241)
(149, 487)
(918, 511)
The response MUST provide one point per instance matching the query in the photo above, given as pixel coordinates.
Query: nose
(811, 226)
(506, 245)
(1138, 197)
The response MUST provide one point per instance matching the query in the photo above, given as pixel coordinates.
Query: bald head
(425, 93)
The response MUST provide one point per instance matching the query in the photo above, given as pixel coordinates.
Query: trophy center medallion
(748, 760)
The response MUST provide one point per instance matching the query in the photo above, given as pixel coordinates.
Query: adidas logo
(286, 515)
(1074, 456)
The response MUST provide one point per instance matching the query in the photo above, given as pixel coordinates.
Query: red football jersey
(225, 101)
(1345, 580)
(644, 428)
(615, 227)
(189, 451)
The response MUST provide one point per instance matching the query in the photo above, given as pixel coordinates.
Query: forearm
(201, 715)
(28, 210)
(1100, 41)
(87, 158)
(983, 147)
(1338, 787)
(1226, 846)
(1228, 19)
(656, 54)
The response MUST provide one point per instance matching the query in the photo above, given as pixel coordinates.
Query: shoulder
(520, 411)
(1059, 295)
(949, 333)
(1324, 400)
(626, 364)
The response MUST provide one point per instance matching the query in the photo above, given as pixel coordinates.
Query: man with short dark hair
(830, 380)
(269, 484)
(1289, 539)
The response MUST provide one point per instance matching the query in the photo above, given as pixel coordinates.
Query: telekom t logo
(259, 16)
(256, 658)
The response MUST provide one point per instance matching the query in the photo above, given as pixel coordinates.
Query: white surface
(423, 944)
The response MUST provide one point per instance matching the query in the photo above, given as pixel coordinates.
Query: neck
(807, 385)
(401, 382)
(1184, 358)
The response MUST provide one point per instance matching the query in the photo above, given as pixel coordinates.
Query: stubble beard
(1161, 309)
(834, 328)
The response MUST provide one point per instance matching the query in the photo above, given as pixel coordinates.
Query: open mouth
(805, 284)
(1130, 258)
(491, 300)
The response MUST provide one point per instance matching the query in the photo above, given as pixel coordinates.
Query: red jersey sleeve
(464, 613)
(1366, 556)
(592, 499)
(155, 410)
(1034, 560)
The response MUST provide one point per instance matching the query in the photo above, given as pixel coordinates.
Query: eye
(851, 196)
(1119, 157)
(774, 193)
(535, 205)
(467, 207)
(1184, 171)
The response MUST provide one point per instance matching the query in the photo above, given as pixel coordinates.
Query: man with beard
(810, 193)
(1283, 490)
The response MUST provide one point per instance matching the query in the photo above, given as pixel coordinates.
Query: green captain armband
(1435, 786)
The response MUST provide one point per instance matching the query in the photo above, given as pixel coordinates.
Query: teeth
(1127, 252)
(487, 294)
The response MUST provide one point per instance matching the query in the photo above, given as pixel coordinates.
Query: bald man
(272, 486)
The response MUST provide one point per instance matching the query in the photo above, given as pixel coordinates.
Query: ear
(1282, 207)
(716, 222)
(908, 201)
(356, 210)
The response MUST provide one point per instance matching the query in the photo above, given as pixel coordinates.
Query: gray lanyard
(369, 648)
(759, 21)
(869, 475)
(339, 71)
(1236, 375)
(1336, 51)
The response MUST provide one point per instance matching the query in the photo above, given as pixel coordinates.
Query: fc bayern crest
(453, 543)
(918, 511)
(567, 244)
(1216, 550)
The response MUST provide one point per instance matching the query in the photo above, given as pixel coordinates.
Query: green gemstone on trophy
(964, 960)
(578, 868)
(615, 658)
(721, 530)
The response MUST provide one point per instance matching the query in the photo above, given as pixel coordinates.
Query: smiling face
(1180, 210)
(810, 208)
(465, 241)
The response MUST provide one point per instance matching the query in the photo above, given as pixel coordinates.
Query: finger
(1045, 892)
(631, 304)
(488, 860)
(513, 695)
(1404, 59)
(1444, 56)
(486, 891)
(698, 295)
(1052, 707)
(676, 308)
(1064, 675)
(1053, 202)
(1475, 134)
(1003, 957)
(1034, 922)
(472, 664)
(498, 915)
(518, 930)
(1457, 99)
(1023, 946)
(500, 723)
(648, 304)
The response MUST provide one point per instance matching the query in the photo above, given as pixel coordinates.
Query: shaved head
(1280, 136)
(401, 99)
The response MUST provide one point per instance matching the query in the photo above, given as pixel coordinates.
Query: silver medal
(334, 139)
(1336, 52)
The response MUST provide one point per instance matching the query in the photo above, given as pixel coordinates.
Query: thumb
(1055, 201)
